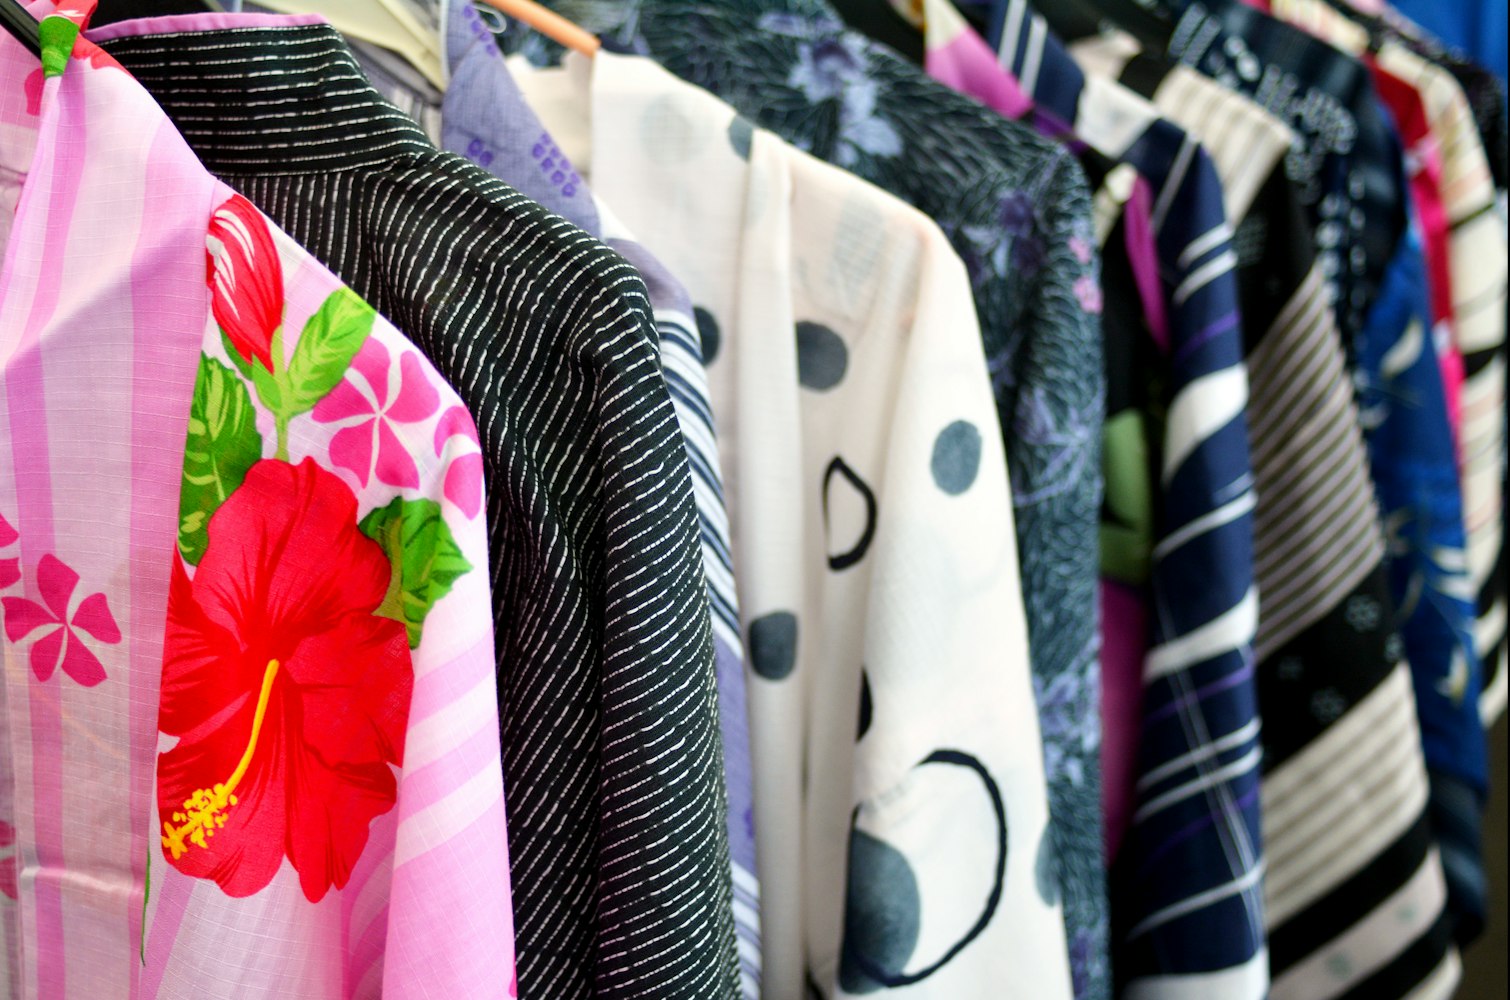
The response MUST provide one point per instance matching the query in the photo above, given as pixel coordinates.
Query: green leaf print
(330, 340)
(242, 364)
(425, 558)
(222, 445)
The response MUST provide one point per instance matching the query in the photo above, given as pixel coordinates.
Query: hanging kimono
(249, 710)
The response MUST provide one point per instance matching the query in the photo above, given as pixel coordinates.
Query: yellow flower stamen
(204, 812)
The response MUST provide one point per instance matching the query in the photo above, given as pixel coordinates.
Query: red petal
(8, 534)
(10, 572)
(22, 617)
(355, 681)
(94, 617)
(330, 813)
(56, 581)
(285, 554)
(81, 664)
(417, 396)
(204, 671)
(394, 465)
(245, 278)
(243, 855)
(44, 655)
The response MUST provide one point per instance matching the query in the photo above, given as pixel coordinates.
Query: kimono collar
(1028, 49)
(234, 83)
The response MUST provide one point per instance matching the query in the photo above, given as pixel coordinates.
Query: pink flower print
(33, 87)
(463, 485)
(368, 395)
(8, 859)
(57, 582)
(1081, 248)
(1088, 291)
(10, 569)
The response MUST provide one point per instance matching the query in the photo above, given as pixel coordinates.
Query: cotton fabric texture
(484, 117)
(1187, 906)
(1011, 204)
(1315, 882)
(229, 664)
(611, 747)
(872, 529)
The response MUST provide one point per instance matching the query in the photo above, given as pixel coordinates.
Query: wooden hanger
(550, 24)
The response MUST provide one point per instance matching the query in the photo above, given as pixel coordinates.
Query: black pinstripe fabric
(612, 760)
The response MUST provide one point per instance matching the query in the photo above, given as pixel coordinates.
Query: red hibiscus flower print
(463, 485)
(245, 279)
(10, 569)
(288, 695)
(370, 447)
(8, 859)
(56, 583)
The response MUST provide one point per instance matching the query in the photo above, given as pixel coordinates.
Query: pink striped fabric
(260, 663)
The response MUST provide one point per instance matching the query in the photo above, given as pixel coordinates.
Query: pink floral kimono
(248, 725)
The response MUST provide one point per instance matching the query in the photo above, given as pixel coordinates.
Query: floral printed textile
(283, 684)
(233, 654)
(57, 583)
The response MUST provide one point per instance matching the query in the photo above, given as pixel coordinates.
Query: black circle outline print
(845, 560)
(964, 760)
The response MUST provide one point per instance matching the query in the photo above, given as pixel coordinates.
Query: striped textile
(1187, 888)
(1187, 893)
(1199, 748)
(111, 357)
(1347, 164)
(1477, 269)
(1324, 684)
(611, 749)
(1424, 504)
(1479, 266)
(1486, 96)
(484, 117)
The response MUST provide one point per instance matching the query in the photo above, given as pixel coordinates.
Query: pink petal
(44, 655)
(464, 484)
(342, 402)
(10, 572)
(417, 395)
(22, 617)
(8, 534)
(372, 362)
(351, 448)
(82, 665)
(33, 88)
(56, 581)
(394, 466)
(95, 618)
(454, 421)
